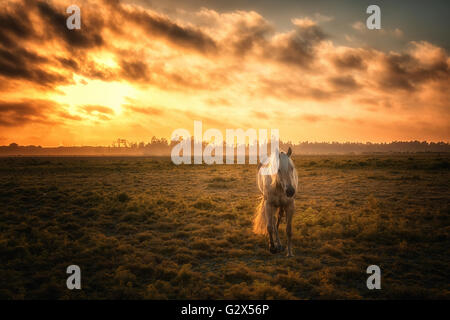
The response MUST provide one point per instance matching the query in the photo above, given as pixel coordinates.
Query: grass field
(143, 228)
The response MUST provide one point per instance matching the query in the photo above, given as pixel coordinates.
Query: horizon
(140, 68)
(136, 144)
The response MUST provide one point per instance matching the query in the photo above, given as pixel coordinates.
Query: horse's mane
(268, 169)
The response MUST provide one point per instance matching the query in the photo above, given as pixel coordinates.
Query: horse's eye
(279, 170)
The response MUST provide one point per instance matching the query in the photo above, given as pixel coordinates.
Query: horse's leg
(289, 214)
(280, 215)
(279, 247)
(269, 211)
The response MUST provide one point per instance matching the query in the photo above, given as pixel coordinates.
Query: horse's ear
(259, 166)
(289, 152)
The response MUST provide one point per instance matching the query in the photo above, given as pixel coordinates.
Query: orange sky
(134, 72)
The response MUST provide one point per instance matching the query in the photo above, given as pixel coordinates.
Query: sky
(137, 69)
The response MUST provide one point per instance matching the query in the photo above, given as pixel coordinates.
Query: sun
(94, 92)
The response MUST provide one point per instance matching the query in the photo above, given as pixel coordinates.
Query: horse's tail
(259, 219)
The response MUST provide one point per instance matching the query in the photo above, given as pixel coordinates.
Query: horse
(277, 180)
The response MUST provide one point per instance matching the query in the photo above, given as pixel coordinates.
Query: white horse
(277, 180)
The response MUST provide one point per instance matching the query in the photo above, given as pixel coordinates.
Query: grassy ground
(144, 228)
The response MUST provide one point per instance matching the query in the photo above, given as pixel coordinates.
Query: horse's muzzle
(290, 191)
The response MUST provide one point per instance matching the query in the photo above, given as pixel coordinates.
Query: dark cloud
(89, 36)
(405, 72)
(298, 48)
(162, 27)
(19, 63)
(15, 24)
(21, 56)
(144, 71)
(82, 65)
(349, 61)
(69, 63)
(247, 35)
(18, 113)
(395, 74)
(344, 83)
(135, 70)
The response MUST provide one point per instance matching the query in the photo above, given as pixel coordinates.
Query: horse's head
(287, 175)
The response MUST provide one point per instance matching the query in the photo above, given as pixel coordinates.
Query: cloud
(296, 47)
(344, 83)
(69, 116)
(261, 115)
(88, 37)
(19, 113)
(293, 89)
(98, 112)
(69, 63)
(19, 63)
(303, 22)
(359, 26)
(322, 18)
(135, 70)
(151, 111)
(350, 59)
(250, 32)
(312, 21)
(15, 23)
(310, 118)
(160, 26)
(407, 71)
(427, 53)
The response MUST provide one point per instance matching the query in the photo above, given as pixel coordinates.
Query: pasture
(143, 228)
